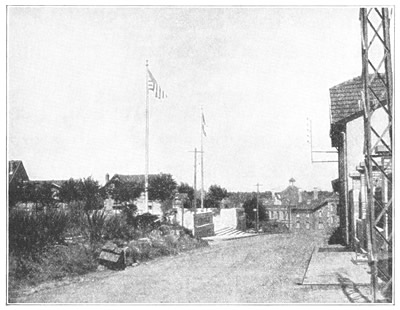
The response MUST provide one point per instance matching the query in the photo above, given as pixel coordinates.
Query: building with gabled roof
(293, 207)
(16, 172)
(153, 207)
(347, 135)
(346, 99)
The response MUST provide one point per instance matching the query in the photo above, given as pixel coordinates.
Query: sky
(76, 91)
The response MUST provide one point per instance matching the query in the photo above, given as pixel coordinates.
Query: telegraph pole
(146, 175)
(195, 179)
(194, 182)
(258, 194)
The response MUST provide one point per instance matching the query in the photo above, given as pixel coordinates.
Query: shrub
(30, 233)
(54, 263)
(95, 224)
(146, 222)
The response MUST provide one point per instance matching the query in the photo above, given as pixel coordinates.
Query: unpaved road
(261, 269)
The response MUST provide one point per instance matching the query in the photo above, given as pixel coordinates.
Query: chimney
(107, 177)
(315, 193)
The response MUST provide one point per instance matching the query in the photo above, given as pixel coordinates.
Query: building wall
(233, 217)
(324, 219)
(350, 156)
(278, 213)
(355, 138)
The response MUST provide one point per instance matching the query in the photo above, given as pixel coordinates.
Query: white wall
(227, 218)
(355, 139)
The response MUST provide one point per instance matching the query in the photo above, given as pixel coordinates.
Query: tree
(89, 194)
(126, 191)
(162, 187)
(69, 191)
(91, 199)
(185, 188)
(39, 193)
(214, 196)
(250, 206)
(44, 194)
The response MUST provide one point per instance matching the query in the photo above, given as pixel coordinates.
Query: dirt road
(261, 269)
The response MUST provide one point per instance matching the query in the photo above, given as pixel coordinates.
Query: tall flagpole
(202, 170)
(146, 176)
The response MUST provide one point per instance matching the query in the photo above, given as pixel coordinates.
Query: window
(308, 225)
(280, 215)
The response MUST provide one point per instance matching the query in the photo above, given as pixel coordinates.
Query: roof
(56, 183)
(346, 98)
(290, 195)
(310, 204)
(15, 168)
(138, 178)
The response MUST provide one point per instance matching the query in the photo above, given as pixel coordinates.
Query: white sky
(76, 90)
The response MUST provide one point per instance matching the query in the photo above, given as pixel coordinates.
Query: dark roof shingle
(346, 101)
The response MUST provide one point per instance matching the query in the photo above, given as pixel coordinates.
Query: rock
(100, 268)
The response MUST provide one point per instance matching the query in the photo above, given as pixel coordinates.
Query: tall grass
(30, 233)
(38, 251)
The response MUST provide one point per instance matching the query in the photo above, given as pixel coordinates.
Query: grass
(38, 252)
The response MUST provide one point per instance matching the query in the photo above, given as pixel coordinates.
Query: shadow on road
(351, 291)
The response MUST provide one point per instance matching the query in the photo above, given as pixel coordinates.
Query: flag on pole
(155, 87)
(203, 123)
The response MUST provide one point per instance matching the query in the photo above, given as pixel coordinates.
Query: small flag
(155, 87)
(203, 123)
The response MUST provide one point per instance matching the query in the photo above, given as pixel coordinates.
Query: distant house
(16, 172)
(347, 135)
(154, 207)
(300, 210)
(319, 213)
(279, 209)
(55, 185)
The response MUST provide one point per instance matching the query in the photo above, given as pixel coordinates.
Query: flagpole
(202, 170)
(146, 176)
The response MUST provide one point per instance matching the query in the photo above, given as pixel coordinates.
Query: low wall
(201, 223)
(233, 217)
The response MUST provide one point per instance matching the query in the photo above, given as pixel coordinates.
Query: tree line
(162, 187)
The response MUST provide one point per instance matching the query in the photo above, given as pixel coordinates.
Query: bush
(30, 233)
(54, 263)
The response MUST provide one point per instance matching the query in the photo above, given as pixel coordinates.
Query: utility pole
(195, 179)
(258, 194)
(194, 182)
(202, 132)
(146, 175)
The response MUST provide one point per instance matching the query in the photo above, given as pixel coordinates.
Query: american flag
(155, 87)
(203, 123)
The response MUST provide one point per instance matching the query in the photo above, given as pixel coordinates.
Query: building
(319, 213)
(16, 172)
(154, 207)
(347, 135)
(300, 210)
